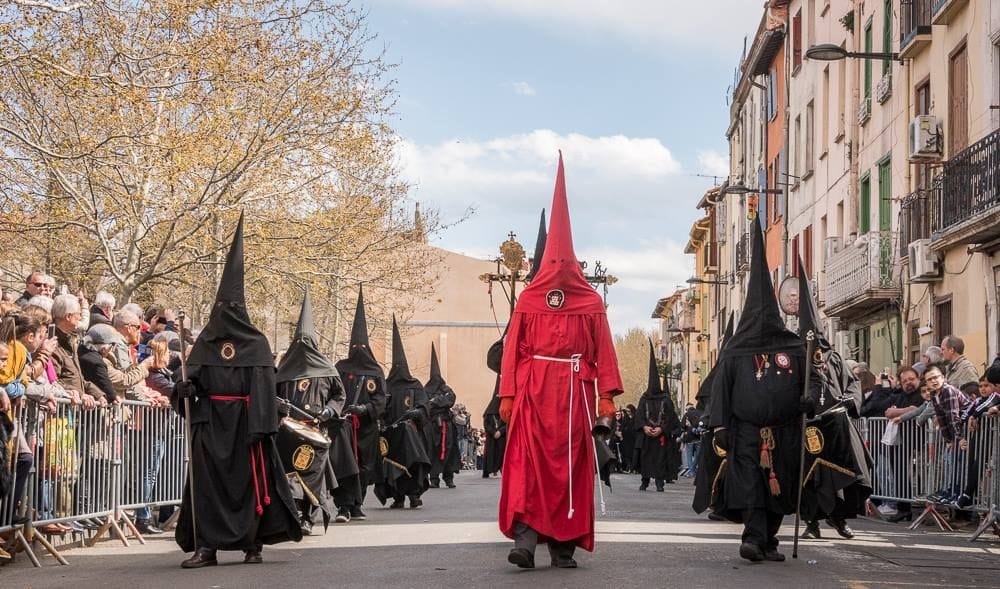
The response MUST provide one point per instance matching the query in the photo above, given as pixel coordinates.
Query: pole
(810, 342)
(187, 431)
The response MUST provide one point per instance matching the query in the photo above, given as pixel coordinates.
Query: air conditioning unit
(925, 138)
(831, 247)
(924, 262)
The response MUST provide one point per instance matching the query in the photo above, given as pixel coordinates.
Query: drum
(303, 448)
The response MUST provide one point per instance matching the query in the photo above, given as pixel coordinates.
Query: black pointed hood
(536, 260)
(230, 338)
(653, 387)
(808, 313)
(399, 375)
(303, 359)
(728, 334)
(435, 384)
(360, 359)
(761, 329)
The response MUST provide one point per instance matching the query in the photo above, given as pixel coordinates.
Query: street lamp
(831, 52)
(741, 189)
(694, 280)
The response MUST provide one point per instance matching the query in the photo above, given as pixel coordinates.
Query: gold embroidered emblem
(304, 385)
(370, 385)
(303, 457)
(814, 440)
(228, 351)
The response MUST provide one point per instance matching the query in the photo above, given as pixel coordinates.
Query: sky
(632, 91)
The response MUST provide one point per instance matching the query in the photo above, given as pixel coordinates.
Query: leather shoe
(522, 557)
(203, 557)
(643, 486)
(842, 528)
(357, 514)
(397, 504)
(812, 531)
(147, 527)
(434, 483)
(416, 502)
(751, 552)
(252, 557)
(773, 555)
(564, 562)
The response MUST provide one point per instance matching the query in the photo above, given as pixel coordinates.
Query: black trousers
(760, 527)
(527, 538)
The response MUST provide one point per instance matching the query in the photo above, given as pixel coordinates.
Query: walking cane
(810, 342)
(187, 431)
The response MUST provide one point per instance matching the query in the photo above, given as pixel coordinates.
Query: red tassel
(774, 485)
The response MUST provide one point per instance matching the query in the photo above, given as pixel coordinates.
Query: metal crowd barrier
(90, 467)
(917, 466)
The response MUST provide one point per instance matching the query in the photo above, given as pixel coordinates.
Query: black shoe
(842, 528)
(659, 488)
(522, 557)
(643, 486)
(343, 515)
(252, 556)
(357, 514)
(435, 484)
(203, 557)
(563, 562)
(900, 516)
(771, 555)
(715, 517)
(812, 531)
(751, 552)
(416, 502)
(451, 484)
(145, 526)
(397, 504)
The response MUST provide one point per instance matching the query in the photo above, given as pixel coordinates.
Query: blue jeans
(691, 452)
(150, 475)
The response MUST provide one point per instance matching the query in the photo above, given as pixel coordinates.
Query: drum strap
(444, 448)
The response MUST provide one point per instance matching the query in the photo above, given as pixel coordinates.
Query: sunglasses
(43, 285)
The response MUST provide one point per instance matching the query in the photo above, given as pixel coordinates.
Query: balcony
(743, 253)
(969, 206)
(916, 216)
(914, 27)
(862, 279)
(945, 11)
(865, 110)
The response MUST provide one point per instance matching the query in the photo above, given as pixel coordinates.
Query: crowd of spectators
(56, 348)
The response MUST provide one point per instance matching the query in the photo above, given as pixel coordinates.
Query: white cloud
(713, 163)
(522, 89)
(626, 194)
(652, 22)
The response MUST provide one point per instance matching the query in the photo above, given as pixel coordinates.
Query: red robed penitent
(548, 470)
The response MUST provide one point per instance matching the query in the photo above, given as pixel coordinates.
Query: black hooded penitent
(360, 360)
(303, 358)
(536, 260)
(660, 456)
(439, 430)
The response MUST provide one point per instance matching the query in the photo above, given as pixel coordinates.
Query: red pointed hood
(559, 286)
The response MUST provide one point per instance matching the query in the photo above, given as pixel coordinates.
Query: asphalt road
(647, 539)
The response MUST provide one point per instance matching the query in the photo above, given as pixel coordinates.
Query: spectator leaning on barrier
(67, 315)
(125, 374)
(949, 407)
(103, 308)
(960, 370)
(904, 397)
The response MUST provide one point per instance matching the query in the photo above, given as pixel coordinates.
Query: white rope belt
(574, 362)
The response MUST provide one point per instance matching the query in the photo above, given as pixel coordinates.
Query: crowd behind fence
(98, 465)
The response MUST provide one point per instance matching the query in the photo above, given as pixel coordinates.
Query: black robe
(441, 435)
(746, 406)
(359, 436)
(406, 464)
(659, 457)
(240, 502)
(494, 445)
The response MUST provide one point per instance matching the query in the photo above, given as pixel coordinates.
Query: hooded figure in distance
(405, 461)
(837, 480)
(559, 368)
(308, 381)
(439, 429)
(496, 429)
(756, 410)
(711, 459)
(657, 423)
(242, 499)
(364, 385)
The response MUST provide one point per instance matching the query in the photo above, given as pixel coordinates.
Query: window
(811, 18)
(796, 41)
(825, 114)
(822, 241)
(886, 34)
(840, 220)
(762, 200)
(772, 93)
(913, 349)
(841, 96)
(810, 137)
(794, 263)
(807, 250)
(780, 179)
(868, 62)
(922, 104)
(797, 147)
(958, 102)
(885, 195)
(942, 318)
(864, 214)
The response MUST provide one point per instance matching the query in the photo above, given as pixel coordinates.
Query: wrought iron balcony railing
(859, 279)
(970, 188)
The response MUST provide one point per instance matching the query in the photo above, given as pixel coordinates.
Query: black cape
(711, 459)
(495, 428)
(659, 456)
(439, 429)
(242, 499)
(405, 463)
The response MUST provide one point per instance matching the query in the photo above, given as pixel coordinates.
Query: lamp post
(831, 52)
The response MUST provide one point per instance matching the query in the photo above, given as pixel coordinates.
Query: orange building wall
(775, 143)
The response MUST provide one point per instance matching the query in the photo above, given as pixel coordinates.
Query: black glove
(325, 415)
(722, 439)
(358, 410)
(807, 406)
(184, 389)
(416, 413)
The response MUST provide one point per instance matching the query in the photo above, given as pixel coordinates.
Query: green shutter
(886, 34)
(868, 62)
(885, 196)
(864, 215)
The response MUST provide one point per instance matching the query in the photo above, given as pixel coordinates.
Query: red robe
(549, 445)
